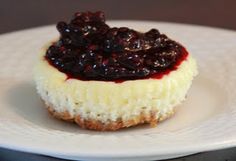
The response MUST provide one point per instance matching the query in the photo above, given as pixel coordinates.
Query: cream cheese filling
(104, 100)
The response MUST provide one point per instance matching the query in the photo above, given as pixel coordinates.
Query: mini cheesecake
(108, 78)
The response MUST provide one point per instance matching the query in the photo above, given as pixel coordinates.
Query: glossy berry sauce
(88, 49)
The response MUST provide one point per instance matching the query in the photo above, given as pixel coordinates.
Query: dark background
(21, 14)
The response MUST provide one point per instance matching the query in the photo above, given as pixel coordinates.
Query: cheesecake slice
(108, 78)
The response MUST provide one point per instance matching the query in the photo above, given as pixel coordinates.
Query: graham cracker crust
(97, 125)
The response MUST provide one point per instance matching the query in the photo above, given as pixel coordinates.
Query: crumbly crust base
(97, 125)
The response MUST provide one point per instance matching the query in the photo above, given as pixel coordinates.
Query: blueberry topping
(88, 49)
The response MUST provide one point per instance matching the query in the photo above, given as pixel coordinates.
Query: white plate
(206, 121)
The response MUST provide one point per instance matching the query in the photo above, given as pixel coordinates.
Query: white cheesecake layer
(110, 101)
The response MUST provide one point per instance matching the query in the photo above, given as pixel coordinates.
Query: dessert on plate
(108, 78)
